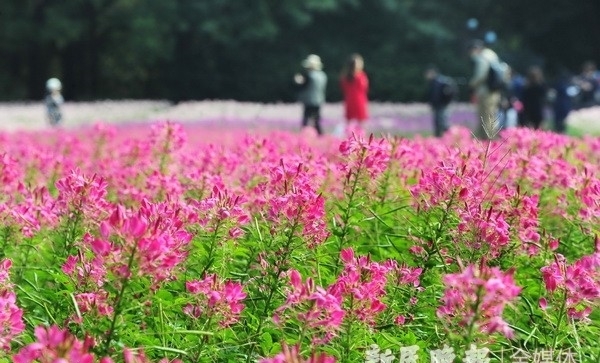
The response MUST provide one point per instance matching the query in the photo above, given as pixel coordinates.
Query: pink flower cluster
(36, 211)
(314, 307)
(215, 299)
(361, 285)
(491, 217)
(55, 345)
(357, 293)
(11, 316)
(221, 209)
(578, 283)
(80, 194)
(292, 355)
(477, 296)
(151, 243)
(289, 198)
(370, 155)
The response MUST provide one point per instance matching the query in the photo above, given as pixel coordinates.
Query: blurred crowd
(504, 97)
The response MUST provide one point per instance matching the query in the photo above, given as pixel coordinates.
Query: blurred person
(355, 86)
(534, 98)
(507, 113)
(312, 83)
(441, 90)
(54, 100)
(588, 85)
(515, 94)
(487, 97)
(561, 97)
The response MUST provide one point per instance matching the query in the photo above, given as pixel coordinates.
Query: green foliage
(247, 50)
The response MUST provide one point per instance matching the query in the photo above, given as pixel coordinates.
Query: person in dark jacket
(534, 98)
(312, 84)
(562, 100)
(439, 95)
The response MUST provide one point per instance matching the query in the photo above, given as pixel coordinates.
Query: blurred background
(248, 50)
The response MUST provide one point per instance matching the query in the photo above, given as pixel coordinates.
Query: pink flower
(292, 355)
(312, 307)
(55, 345)
(11, 316)
(213, 297)
(580, 282)
(400, 320)
(488, 289)
(543, 303)
(362, 281)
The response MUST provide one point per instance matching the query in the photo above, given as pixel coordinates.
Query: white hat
(313, 61)
(53, 84)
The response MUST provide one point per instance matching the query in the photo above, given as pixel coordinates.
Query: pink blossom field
(385, 117)
(186, 241)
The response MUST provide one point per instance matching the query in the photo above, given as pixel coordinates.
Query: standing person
(355, 86)
(588, 85)
(488, 98)
(534, 98)
(562, 100)
(441, 90)
(54, 100)
(514, 113)
(312, 83)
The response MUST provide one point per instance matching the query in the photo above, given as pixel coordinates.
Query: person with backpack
(441, 91)
(312, 84)
(486, 84)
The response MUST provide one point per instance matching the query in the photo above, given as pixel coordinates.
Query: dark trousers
(440, 121)
(312, 113)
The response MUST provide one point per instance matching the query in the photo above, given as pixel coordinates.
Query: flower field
(172, 243)
(407, 119)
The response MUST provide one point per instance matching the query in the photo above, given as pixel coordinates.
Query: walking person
(54, 100)
(534, 98)
(355, 87)
(440, 92)
(484, 86)
(312, 83)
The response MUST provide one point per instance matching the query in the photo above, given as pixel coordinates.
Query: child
(53, 101)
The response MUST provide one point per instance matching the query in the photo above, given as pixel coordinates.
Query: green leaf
(266, 342)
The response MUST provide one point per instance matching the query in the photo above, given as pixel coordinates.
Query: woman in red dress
(355, 85)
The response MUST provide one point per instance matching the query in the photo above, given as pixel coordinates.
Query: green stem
(6, 232)
(561, 313)
(476, 306)
(211, 251)
(118, 300)
(25, 264)
(205, 338)
(164, 156)
(438, 232)
(72, 225)
(346, 353)
(274, 287)
(346, 217)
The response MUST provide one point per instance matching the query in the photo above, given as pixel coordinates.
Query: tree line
(249, 49)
